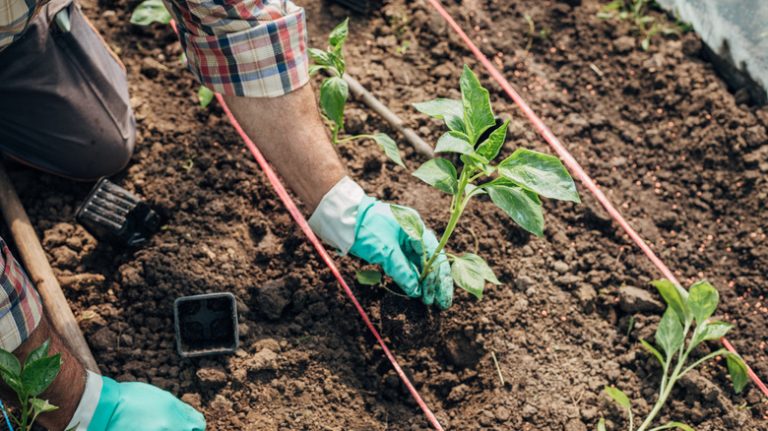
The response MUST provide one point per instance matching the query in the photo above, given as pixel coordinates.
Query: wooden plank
(40, 272)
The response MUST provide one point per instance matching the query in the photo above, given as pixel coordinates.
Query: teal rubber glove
(132, 406)
(379, 239)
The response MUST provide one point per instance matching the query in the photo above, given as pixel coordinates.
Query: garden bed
(657, 130)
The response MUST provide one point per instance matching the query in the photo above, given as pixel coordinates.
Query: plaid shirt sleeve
(252, 48)
(20, 305)
(14, 17)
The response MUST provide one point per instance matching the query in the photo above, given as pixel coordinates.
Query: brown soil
(658, 130)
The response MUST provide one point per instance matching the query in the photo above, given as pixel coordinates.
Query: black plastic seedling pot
(206, 324)
(111, 213)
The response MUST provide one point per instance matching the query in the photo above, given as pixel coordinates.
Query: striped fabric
(253, 48)
(14, 17)
(20, 305)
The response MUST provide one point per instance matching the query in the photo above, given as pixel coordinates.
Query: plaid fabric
(253, 48)
(20, 305)
(14, 17)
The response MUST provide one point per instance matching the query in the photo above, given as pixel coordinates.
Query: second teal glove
(379, 239)
(107, 405)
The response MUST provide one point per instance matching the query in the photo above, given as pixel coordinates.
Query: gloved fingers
(444, 291)
(403, 271)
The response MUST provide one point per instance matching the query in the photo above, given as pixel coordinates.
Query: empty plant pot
(206, 324)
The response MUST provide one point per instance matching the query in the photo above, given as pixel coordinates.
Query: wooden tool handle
(39, 270)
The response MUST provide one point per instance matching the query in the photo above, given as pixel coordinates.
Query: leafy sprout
(334, 92)
(28, 381)
(686, 324)
(515, 184)
(637, 11)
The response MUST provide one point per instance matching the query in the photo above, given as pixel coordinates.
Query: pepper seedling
(334, 92)
(514, 184)
(686, 324)
(29, 381)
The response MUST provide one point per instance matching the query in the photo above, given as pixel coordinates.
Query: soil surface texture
(667, 142)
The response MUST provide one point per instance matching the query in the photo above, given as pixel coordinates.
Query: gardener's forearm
(66, 391)
(290, 133)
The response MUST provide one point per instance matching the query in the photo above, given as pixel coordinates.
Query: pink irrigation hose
(572, 164)
(302, 222)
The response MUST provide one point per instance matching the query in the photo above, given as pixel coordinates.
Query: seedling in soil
(542, 34)
(636, 11)
(151, 11)
(686, 324)
(334, 92)
(28, 381)
(514, 184)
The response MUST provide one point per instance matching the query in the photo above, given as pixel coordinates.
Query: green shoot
(686, 324)
(150, 11)
(532, 34)
(514, 184)
(29, 381)
(636, 11)
(204, 96)
(334, 92)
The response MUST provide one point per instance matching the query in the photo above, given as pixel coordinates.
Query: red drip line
(302, 222)
(572, 164)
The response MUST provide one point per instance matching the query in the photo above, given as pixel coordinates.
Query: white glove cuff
(335, 217)
(88, 403)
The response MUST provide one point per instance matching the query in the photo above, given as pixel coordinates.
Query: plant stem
(353, 138)
(458, 203)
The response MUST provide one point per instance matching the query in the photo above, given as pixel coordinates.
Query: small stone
(586, 295)
(264, 360)
(633, 299)
(273, 297)
(624, 44)
(104, 339)
(458, 393)
(560, 266)
(523, 282)
(575, 425)
(192, 399)
(211, 376)
(502, 414)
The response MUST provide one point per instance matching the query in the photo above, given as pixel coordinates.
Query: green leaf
(320, 57)
(204, 96)
(150, 11)
(702, 301)
(38, 375)
(368, 277)
(645, 44)
(478, 115)
(315, 68)
(652, 350)
(14, 382)
(738, 371)
(619, 397)
(440, 174)
(41, 406)
(673, 298)
(675, 425)
(470, 272)
(541, 173)
(9, 364)
(519, 206)
(339, 35)
(453, 142)
(40, 352)
(449, 110)
(601, 424)
(389, 147)
(490, 147)
(669, 334)
(409, 220)
(333, 96)
(713, 331)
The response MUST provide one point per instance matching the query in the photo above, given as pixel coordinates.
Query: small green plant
(334, 92)
(686, 324)
(514, 184)
(637, 12)
(151, 11)
(542, 34)
(29, 381)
